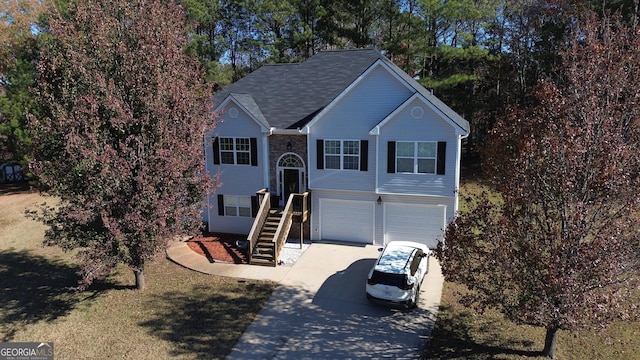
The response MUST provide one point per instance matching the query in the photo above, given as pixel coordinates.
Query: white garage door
(344, 220)
(411, 222)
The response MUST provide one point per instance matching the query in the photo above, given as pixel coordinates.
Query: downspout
(376, 134)
(265, 159)
(208, 172)
(456, 189)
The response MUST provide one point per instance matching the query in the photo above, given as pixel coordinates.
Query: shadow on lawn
(34, 288)
(451, 339)
(206, 322)
(15, 188)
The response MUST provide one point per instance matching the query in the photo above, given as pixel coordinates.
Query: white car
(396, 277)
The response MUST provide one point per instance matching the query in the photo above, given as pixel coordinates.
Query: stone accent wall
(278, 147)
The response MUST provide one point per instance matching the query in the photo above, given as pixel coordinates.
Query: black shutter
(254, 206)
(442, 157)
(221, 205)
(364, 155)
(216, 151)
(254, 151)
(391, 157)
(320, 154)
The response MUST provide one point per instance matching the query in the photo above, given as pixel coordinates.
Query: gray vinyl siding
(351, 118)
(430, 127)
(242, 180)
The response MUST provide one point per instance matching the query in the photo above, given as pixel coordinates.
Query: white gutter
(456, 189)
(275, 131)
(265, 160)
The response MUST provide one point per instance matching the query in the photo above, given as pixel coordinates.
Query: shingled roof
(288, 96)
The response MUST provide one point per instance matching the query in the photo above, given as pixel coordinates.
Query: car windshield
(398, 280)
(395, 260)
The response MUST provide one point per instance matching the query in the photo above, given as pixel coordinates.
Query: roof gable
(378, 64)
(247, 104)
(420, 97)
(443, 108)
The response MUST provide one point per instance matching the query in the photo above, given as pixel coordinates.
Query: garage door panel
(419, 223)
(347, 220)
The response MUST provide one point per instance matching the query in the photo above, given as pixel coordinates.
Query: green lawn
(182, 314)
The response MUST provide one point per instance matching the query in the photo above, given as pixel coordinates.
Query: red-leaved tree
(557, 246)
(119, 144)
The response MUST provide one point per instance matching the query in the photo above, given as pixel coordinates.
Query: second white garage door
(412, 222)
(345, 220)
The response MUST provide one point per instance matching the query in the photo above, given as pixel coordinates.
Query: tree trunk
(140, 283)
(550, 342)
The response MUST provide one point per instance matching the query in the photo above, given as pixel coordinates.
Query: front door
(291, 183)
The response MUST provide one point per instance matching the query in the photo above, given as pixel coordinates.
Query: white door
(413, 222)
(346, 220)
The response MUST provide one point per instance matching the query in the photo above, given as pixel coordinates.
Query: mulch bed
(219, 247)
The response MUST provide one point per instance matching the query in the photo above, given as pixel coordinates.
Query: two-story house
(375, 153)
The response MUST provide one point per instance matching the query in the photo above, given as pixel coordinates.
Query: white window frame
(416, 157)
(236, 146)
(341, 154)
(237, 205)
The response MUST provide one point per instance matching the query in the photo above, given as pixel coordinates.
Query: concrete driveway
(320, 311)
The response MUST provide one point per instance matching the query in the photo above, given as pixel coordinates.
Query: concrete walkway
(180, 253)
(320, 310)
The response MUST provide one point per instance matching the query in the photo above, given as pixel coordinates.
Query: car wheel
(416, 298)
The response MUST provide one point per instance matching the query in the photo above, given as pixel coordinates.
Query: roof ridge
(350, 49)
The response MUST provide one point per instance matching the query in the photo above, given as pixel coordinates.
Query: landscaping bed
(218, 247)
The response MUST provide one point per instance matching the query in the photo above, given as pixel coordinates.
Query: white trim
(342, 154)
(206, 143)
(456, 188)
(276, 131)
(422, 195)
(280, 173)
(265, 160)
(237, 198)
(415, 157)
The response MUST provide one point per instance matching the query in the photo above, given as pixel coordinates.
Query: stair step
(264, 250)
(262, 262)
(268, 255)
